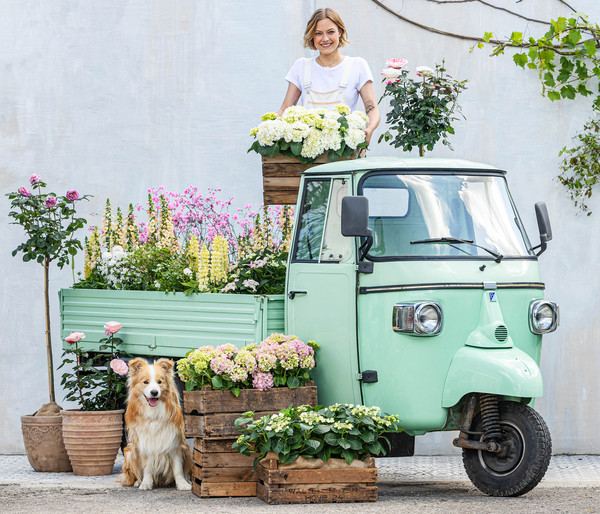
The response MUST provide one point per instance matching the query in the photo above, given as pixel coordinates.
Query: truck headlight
(421, 318)
(544, 317)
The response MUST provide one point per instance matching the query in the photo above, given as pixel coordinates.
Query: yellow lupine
(194, 252)
(203, 268)
(218, 260)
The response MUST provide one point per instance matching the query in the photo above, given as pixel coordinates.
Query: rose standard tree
(50, 224)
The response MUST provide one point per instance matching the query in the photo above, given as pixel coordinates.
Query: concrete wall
(117, 96)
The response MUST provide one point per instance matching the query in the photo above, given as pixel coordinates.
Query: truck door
(321, 286)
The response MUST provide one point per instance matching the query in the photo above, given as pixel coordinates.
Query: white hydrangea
(358, 120)
(294, 113)
(354, 137)
(313, 145)
(270, 131)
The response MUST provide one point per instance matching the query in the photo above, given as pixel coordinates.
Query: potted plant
(224, 270)
(98, 383)
(222, 383)
(421, 111)
(316, 454)
(50, 223)
(300, 138)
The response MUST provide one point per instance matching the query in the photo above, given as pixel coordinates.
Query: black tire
(525, 457)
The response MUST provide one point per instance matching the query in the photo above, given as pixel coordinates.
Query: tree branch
(492, 6)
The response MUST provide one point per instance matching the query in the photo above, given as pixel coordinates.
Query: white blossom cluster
(318, 130)
(115, 267)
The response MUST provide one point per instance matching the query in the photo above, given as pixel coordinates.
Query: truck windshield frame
(442, 204)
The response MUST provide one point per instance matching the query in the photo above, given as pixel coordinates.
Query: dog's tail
(127, 477)
(187, 461)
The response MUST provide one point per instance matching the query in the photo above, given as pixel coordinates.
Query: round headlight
(428, 318)
(544, 317)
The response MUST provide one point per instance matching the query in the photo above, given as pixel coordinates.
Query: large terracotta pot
(44, 444)
(92, 440)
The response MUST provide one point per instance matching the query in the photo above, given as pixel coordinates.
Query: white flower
(228, 287)
(187, 272)
(391, 73)
(250, 284)
(424, 71)
(157, 284)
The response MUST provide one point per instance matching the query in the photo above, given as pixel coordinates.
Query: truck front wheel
(525, 456)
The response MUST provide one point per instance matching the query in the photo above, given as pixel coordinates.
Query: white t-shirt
(327, 79)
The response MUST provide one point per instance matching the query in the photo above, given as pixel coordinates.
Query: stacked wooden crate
(210, 418)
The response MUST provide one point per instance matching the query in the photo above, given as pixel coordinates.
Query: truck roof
(386, 163)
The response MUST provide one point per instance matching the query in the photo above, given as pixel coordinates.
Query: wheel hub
(511, 454)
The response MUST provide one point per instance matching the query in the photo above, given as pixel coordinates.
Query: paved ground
(408, 484)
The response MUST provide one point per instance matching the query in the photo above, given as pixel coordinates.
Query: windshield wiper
(450, 240)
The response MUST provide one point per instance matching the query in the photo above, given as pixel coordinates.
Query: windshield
(426, 215)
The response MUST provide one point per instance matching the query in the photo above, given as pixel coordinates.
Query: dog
(157, 453)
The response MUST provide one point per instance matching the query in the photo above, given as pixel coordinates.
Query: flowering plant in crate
(189, 242)
(97, 381)
(307, 133)
(422, 110)
(342, 430)
(277, 361)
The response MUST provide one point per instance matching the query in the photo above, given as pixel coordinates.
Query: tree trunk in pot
(92, 440)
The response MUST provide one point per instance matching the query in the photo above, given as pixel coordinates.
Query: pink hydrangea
(119, 366)
(238, 374)
(221, 364)
(396, 63)
(262, 381)
(227, 349)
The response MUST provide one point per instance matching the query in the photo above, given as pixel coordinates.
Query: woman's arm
(291, 97)
(367, 93)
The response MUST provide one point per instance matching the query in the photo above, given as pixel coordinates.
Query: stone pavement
(564, 471)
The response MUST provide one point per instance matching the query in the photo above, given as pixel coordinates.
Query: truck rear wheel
(525, 456)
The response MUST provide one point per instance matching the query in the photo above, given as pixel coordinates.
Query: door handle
(292, 294)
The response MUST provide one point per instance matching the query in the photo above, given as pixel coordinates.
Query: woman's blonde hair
(311, 26)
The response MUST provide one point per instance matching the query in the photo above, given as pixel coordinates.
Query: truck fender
(500, 371)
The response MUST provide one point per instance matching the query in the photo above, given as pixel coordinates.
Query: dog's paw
(183, 485)
(146, 486)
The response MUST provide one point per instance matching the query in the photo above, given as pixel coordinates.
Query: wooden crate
(346, 485)
(219, 471)
(210, 413)
(281, 177)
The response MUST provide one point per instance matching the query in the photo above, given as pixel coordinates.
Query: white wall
(117, 96)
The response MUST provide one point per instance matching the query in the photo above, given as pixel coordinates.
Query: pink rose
(119, 366)
(23, 191)
(50, 202)
(112, 327)
(396, 63)
(75, 337)
(34, 179)
(72, 195)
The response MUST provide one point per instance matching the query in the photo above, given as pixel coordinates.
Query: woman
(331, 78)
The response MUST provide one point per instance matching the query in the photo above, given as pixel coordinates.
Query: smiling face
(327, 37)
(150, 382)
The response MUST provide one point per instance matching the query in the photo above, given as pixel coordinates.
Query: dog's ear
(165, 364)
(135, 365)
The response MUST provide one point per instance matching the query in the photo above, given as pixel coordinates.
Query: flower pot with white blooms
(97, 381)
(49, 223)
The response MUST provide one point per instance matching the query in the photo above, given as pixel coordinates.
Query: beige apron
(324, 99)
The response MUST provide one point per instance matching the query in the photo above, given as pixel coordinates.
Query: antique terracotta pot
(44, 444)
(92, 440)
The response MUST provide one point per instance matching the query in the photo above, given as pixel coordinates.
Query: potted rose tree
(50, 223)
(422, 110)
(98, 383)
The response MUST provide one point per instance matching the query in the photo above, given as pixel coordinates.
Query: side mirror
(355, 216)
(543, 221)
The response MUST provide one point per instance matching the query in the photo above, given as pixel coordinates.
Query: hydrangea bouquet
(306, 134)
(342, 430)
(277, 361)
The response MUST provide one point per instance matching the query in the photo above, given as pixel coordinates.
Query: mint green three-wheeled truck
(419, 279)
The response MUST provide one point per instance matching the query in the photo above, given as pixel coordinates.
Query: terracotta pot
(44, 444)
(92, 440)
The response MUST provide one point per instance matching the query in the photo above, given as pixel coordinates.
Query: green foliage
(581, 165)
(49, 223)
(343, 431)
(90, 381)
(567, 60)
(421, 111)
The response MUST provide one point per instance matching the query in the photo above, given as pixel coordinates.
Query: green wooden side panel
(169, 325)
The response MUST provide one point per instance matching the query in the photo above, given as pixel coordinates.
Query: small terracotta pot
(92, 440)
(44, 444)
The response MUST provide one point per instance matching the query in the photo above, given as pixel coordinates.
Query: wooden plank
(214, 490)
(274, 496)
(280, 198)
(214, 444)
(209, 401)
(245, 474)
(281, 183)
(222, 460)
(317, 476)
